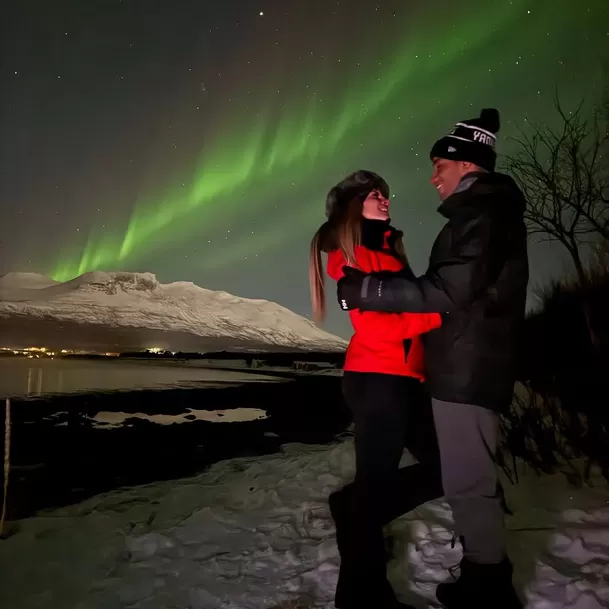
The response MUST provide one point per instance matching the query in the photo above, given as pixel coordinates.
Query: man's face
(447, 175)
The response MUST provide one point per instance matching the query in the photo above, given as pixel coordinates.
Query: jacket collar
(479, 189)
(378, 235)
(451, 204)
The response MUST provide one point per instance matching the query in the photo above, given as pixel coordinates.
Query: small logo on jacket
(343, 305)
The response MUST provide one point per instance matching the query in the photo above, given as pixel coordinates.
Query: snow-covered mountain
(124, 311)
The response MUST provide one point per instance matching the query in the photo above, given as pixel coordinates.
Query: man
(477, 279)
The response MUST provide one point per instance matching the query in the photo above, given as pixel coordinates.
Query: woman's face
(376, 206)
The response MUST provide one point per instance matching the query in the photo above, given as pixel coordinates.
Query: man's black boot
(480, 586)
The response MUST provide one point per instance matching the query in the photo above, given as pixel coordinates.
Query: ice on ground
(110, 420)
(251, 533)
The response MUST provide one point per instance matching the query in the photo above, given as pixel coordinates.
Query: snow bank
(250, 533)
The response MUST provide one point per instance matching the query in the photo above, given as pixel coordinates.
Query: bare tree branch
(563, 174)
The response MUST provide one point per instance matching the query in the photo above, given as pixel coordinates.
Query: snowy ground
(254, 533)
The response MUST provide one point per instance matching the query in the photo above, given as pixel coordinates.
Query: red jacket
(388, 343)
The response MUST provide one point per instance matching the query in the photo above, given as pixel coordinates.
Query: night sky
(197, 139)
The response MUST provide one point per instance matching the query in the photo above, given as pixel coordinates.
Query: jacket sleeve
(387, 326)
(393, 326)
(453, 282)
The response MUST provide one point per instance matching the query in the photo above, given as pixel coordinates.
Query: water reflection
(27, 377)
(34, 382)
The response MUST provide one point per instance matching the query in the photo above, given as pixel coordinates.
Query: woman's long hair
(342, 231)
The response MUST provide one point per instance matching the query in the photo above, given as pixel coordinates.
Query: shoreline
(61, 454)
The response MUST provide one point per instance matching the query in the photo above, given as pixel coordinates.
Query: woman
(381, 384)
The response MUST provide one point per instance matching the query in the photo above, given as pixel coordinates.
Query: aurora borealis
(198, 142)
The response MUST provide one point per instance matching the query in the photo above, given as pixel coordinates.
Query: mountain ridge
(140, 304)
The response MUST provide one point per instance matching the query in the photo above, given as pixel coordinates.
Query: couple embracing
(455, 329)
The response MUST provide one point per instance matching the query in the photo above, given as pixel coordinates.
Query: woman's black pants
(390, 412)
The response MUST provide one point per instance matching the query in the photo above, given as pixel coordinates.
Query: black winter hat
(357, 184)
(472, 140)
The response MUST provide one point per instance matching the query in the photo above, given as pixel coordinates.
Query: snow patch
(110, 419)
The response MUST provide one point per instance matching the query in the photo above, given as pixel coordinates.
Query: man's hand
(349, 289)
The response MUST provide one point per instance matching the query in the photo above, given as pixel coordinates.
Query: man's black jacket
(477, 277)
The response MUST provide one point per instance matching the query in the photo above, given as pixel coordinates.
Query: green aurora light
(268, 158)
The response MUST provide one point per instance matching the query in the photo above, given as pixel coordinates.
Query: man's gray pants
(468, 438)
